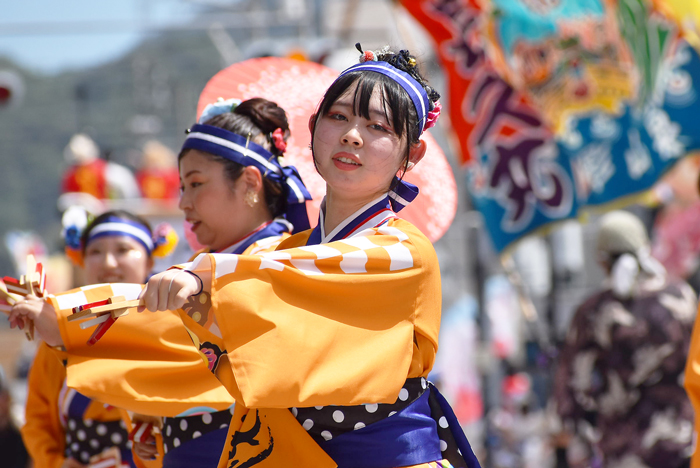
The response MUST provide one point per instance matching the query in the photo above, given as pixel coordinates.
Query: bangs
(396, 104)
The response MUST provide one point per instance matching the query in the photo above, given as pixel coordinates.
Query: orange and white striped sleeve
(339, 323)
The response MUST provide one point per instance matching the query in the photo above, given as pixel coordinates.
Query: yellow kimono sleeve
(145, 363)
(342, 323)
(42, 433)
(692, 384)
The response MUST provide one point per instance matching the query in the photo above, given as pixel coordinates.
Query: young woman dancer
(239, 199)
(328, 340)
(64, 428)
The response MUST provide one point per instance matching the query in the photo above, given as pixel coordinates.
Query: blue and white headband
(403, 192)
(116, 226)
(415, 90)
(241, 150)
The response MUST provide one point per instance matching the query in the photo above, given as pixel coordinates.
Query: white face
(116, 259)
(216, 211)
(357, 157)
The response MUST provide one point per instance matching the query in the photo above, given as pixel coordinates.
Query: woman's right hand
(168, 290)
(42, 313)
(146, 450)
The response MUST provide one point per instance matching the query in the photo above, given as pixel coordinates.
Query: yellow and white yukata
(346, 320)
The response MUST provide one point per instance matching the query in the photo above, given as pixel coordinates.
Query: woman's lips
(346, 162)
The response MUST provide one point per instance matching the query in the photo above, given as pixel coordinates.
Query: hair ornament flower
(165, 240)
(221, 106)
(278, 140)
(433, 115)
(367, 55)
(74, 220)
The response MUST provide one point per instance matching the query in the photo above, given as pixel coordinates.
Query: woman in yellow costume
(327, 341)
(236, 204)
(65, 429)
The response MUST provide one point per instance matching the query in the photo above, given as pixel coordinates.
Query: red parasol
(298, 87)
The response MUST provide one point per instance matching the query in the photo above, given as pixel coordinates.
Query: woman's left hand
(168, 290)
(42, 313)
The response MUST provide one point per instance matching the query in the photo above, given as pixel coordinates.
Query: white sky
(50, 36)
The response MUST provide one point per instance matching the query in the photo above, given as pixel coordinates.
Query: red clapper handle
(101, 330)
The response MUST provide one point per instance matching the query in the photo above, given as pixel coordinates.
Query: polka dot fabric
(86, 438)
(177, 431)
(448, 444)
(326, 422)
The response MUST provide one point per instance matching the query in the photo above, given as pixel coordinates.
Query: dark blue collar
(276, 228)
(373, 214)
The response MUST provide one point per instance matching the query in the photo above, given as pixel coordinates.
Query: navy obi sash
(408, 437)
(196, 440)
(201, 452)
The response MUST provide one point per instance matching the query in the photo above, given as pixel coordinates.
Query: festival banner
(560, 105)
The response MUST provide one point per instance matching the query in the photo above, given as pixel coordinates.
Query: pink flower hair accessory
(433, 116)
(278, 140)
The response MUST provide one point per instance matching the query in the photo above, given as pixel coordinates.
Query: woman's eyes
(374, 126)
(190, 185)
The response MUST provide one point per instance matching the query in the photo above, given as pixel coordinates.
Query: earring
(409, 165)
(251, 198)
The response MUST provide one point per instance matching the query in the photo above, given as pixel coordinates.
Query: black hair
(396, 101)
(255, 118)
(103, 218)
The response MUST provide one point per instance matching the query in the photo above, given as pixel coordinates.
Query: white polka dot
(326, 435)
(223, 426)
(392, 413)
(69, 439)
(165, 448)
(88, 423)
(443, 422)
(338, 416)
(116, 438)
(129, 445)
(71, 424)
(230, 410)
(403, 394)
(168, 431)
(176, 442)
(371, 407)
(94, 443)
(295, 412)
(206, 418)
(359, 425)
(318, 407)
(101, 429)
(196, 434)
(183, 425)
(81, 434)
(122, 424)
(423, 383)
(84, 456)
(74, 446)
(443, 445)
(308, 424)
